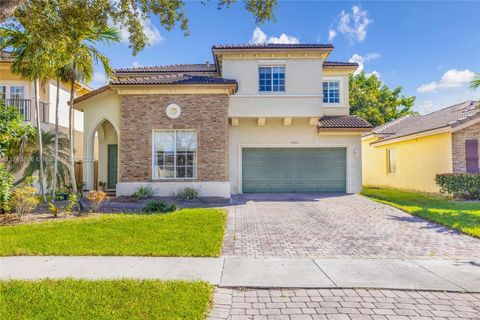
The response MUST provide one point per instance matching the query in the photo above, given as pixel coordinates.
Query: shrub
(159, 207)
(53, 209)
(6, 183)
(24, 200)
(460, 185)
(96, 197)
(189, 193)
(71, 203)
(144, 192)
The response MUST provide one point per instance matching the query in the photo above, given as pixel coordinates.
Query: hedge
(460, 185)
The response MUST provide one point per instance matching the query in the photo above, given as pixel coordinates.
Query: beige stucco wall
(106, 135)
(96, 110)
(303, 89)
(299, 134)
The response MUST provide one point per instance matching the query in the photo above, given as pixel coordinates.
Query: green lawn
(188, 232)
(460, 215)
(105, 299)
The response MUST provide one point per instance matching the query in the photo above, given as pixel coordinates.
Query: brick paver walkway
(341, 226)
(346, 304)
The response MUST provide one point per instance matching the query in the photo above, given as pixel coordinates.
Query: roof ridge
(453, 106)
(394, 122)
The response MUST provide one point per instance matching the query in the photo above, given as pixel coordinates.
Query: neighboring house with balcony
(261, 118)
(20, 94)
(408, 152)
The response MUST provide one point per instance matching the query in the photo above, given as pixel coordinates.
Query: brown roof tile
(6, 56)
(174, 68)
(271, 46)
(343, 122)
(340, 64)
(447, 117)
(174, 78)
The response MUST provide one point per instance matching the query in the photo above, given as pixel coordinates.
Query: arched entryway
(102, 145)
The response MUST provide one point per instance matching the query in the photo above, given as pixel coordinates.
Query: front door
(112, 166)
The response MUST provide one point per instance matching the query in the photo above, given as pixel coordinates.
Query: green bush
(144, 192)
(6, 183)
(159, 207)
(188, 193)
(460, 185)
(71, 203)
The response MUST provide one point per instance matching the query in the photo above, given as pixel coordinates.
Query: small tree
(14, 133)
(6, 183)
(375, 102)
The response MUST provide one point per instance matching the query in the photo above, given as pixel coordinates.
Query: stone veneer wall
(458, 146)
(140, 114)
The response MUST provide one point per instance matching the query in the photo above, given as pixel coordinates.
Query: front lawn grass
(104, 299)
(461, 215)
(185, 233)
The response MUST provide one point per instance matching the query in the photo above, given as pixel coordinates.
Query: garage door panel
(294, 169)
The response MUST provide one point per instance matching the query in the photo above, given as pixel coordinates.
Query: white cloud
(362, 59)
(374, 73)
(443, 98)
(331, 34)
(152, 33)
(136, 64)
(352, 25)
(99, 77)
(425, 107)
(260, 37)
(453, 78)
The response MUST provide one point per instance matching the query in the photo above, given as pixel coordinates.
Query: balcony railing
(26, 106)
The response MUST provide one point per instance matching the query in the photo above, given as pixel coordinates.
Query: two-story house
(19, 93)
(261, 118)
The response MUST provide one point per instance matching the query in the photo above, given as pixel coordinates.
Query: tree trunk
(71, 132)
(55, 163)
(40, 142)
(8, 7)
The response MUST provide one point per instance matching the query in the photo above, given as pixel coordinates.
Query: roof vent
(465, 107)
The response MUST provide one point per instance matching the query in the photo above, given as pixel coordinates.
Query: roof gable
(448, 117)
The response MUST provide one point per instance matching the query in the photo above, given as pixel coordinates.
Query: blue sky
(431, 49)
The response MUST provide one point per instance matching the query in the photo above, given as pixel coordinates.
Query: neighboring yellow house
(20, 93)
(408, 152)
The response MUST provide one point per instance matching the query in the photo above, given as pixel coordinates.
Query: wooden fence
(79, 173)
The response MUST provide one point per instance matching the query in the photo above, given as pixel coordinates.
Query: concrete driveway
(336, 226)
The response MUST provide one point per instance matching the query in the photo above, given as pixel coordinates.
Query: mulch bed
(13, 219)
(111, 205)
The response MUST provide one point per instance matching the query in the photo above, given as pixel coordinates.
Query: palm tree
(31, 61)
(61, 76)
(475, 83)
(32, 152)
(83, 57)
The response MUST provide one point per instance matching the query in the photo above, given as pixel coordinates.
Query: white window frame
(272, 65)
(195, 166)
(8, 89)
(327, 80)
(4, 86)
(391, 161)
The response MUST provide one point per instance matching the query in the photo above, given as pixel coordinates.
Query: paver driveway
(346, 304)
(336, 226)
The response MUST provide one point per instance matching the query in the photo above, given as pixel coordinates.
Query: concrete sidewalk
(445, 275)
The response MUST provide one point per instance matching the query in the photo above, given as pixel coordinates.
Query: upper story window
(17, 92)
(271, 79)
(3, 92)
(331, 92)
(174, 154)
